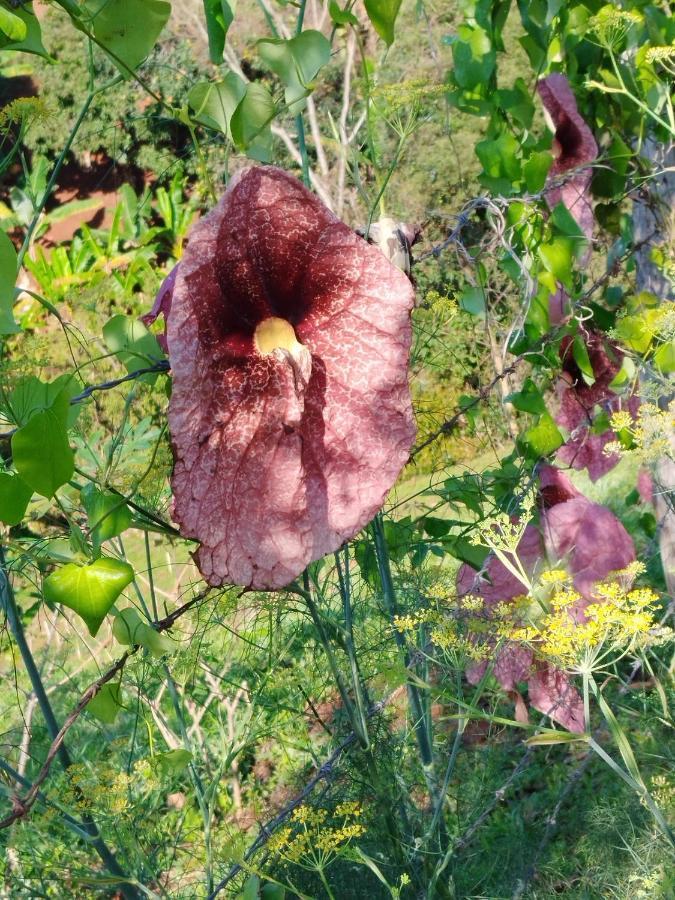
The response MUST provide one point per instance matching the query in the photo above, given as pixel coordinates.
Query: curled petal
(162, 305)
(290, 412)
(574, 146)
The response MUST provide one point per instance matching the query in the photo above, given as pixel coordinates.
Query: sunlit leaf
(543, 438)
(382, 14)
(127, 29)
(89, 590)
(8, 261)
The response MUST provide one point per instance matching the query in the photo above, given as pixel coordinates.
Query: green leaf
(548, 737)
(173, 762)
(107, 513)
(219, 16)
(8, 260)
(664, 358)
(558, 257)
(107, 703)
(15, 495)
(464, 489)
(127, 29)
(472, 300)
(474, 57)
(31, 42)
(30, 396)
(341, 16)
(214, 103)
(565, 223)
(501, 166)
(296, 62)
(89, 590)
(130, 630)
(542, 438)
(251, 888)
(251, 120)
(382, 14)
(581, 357)
(465, 551)
(528, 399)
(610, 179)
(535, 170)
(132, 343)
(41, 451)
(11, 25)
(635, 332)
(271, 891)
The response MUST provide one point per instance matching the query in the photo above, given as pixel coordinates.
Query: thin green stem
(332, 662)
(345, 593)
(422, 733)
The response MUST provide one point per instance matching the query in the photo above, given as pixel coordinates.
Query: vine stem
(8, 604)
(414, 697)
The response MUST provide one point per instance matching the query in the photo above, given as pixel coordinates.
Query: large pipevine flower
(290, 414)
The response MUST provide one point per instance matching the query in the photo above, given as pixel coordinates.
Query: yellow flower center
(273, 334)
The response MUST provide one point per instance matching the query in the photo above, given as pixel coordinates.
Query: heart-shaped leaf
(41, 451)
(107, 513)
(107, 703)
(7, 281)
(89, 590)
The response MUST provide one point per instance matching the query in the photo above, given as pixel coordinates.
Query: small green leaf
(581, 357)
(472, 300)
(635, 332)
(465, 551)
(664, 358)
(271, 891)
(12, 26)
(132, 343)
(296, 61)
(501, 166)
(173, 762)
(107, 703)
(528, 399)
(341, 16)
(382, 14)
(219, 15)
(107, 513)
(535, 170)
(127, 29)
(558, 257)
(214, 102)
(89, 590)
(41, 451)
(250, 122)
(543, 438)
(30, 395)
(130, 630)
(15, 495)
(8, 260)
(474, 57)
